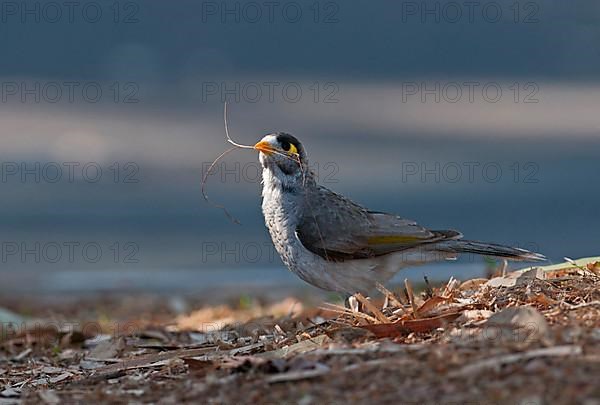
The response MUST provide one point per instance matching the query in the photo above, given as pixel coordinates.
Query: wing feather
(338, 229)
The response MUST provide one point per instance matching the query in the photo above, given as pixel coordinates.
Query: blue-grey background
(379, 92)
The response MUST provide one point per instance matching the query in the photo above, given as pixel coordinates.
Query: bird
(335, 244)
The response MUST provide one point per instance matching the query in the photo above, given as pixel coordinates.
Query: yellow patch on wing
(392, 239)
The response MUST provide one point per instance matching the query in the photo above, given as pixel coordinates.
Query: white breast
(282, 211)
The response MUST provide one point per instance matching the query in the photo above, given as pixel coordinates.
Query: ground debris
(528, 334)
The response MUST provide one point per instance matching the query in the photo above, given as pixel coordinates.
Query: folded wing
(338, 229)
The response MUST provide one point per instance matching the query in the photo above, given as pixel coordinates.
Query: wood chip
(60, 378)
(395, 301)
(584, 305)
(149, 359)
(517, 278)
(22, 355)
(318, 371)
(431, 304)
(498, 361)
(297, 348)
(374, 310)
(411, 297)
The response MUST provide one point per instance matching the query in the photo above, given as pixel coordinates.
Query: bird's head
(284, 157)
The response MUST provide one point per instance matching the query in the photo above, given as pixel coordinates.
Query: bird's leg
(352, 303)
(504, 267)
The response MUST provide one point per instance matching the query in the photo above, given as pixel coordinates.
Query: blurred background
(477, 116)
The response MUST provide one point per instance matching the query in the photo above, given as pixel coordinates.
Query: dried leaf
(542, 299)
(594, 267)
(431, 304)
(404, 327)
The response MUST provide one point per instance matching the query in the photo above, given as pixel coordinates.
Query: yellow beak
(264, 147)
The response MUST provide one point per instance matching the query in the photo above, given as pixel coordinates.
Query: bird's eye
(289, 147)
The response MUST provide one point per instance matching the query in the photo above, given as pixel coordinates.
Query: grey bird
(338, 245)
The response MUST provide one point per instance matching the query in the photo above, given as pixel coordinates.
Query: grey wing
(337, 229)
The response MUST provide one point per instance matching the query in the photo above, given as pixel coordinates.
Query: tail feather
(491, 249)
